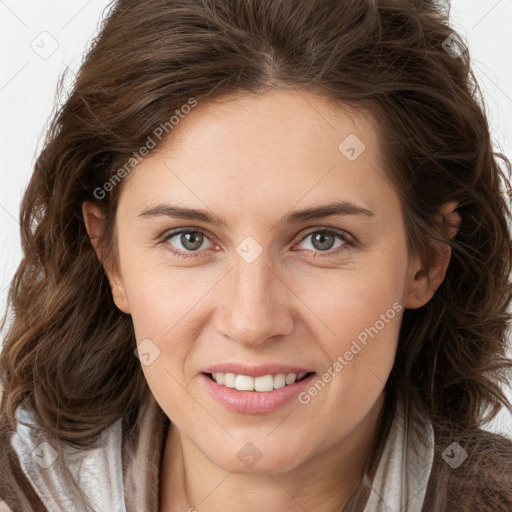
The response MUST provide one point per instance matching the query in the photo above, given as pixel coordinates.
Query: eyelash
(348, 240)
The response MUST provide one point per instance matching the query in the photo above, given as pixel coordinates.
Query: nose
(254, 311)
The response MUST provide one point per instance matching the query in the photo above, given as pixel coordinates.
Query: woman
(266, 265)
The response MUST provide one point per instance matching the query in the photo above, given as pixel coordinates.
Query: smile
(261, 384)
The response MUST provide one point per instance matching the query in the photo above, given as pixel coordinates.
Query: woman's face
(253, 287)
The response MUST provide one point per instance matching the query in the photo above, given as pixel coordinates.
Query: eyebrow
(317, 212)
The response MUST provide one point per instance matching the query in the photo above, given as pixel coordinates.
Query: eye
(323, 240)
(190, 241)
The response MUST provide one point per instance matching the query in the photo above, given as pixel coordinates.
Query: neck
(191, 481)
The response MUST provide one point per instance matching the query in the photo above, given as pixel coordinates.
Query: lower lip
(254, 402)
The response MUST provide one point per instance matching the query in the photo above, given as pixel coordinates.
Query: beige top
(400, 482)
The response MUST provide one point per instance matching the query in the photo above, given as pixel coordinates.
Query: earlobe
(94, 222)
(423, 283)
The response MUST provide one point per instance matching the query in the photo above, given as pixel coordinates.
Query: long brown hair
(68, 352)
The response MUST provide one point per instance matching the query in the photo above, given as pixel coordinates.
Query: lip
(254, 402)
(255, 371)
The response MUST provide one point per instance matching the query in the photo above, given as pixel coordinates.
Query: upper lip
(255, 370)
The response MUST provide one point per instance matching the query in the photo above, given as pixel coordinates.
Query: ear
(94, 223)
(423, 283)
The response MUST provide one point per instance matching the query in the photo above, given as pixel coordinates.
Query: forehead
(249, 149)
(273, 123)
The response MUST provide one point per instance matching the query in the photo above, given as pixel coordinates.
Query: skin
(251, 160)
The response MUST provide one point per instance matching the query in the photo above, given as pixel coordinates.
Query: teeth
(291, 378)
(261, 384)
(244, 383)
(279, 381)
(229, 379)
(265, 383)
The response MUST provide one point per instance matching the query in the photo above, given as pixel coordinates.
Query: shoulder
(16, 492)
(472, 470)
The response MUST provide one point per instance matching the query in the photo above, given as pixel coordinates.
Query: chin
(256, 458)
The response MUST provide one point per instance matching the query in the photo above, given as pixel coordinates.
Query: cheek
(357, 305)
(163, 305)
(358, 327)
(162, 297)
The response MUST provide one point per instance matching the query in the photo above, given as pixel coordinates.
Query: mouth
(265, 390)
(260, 384)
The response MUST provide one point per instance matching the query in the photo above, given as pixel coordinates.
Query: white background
(38, 40)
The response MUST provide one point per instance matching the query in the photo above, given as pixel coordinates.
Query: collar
(402, 475)
(44, 460)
